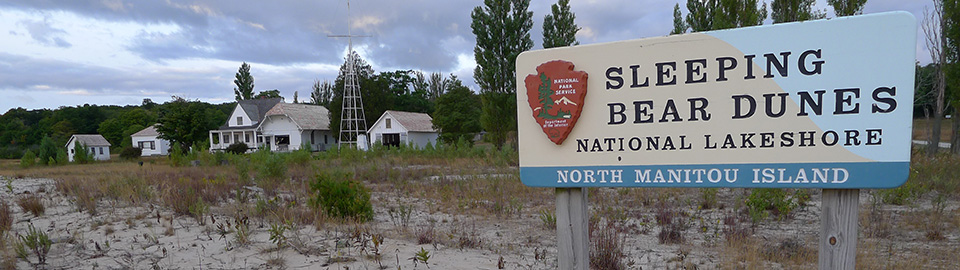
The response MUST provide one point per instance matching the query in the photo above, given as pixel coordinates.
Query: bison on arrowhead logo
(556, 96)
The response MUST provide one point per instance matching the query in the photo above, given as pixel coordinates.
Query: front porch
(221, 139)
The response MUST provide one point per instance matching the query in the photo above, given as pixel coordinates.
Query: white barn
(95, 144)
(243, 124)
(408, 128)
(148, 142)
(287, 127)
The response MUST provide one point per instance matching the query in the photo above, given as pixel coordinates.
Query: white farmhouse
(408, 128)
(93, 143)
(242, 125)
(148, 142)
(287, 127)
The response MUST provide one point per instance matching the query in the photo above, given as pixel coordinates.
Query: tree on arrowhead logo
(556, 96)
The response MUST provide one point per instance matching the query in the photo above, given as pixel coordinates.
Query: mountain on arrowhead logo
(556, 96)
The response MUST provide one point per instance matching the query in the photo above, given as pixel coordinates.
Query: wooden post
(838, 228)
(573, 235)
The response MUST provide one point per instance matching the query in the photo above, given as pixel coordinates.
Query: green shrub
(131, 153)
(81, 155)
(177, 156)
(61, 159)
(35, 241)
(340, 197)
(273, 167)
(774, 200)
(48, 150)
(28, 159)
(237, 148)
(901, 195)
(301, 156)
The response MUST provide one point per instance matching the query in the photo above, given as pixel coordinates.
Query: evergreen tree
(244, 82)
(783, 11)
(679, 26)
(847, 7)
(502, 30)
(706, 15)
(559, 28)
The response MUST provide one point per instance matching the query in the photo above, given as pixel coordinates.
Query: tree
(502, 30)
(244, 82)
(933, 29)
(847, 7)
(436, 86)
(706, 15)
(679, 26)
(48, 151)
(559, 28)
(784, 11)
(322, 93)
(951, 15)
(183, 121)
(456, 115)
(364, 74)
(275, 93)
(295, 97)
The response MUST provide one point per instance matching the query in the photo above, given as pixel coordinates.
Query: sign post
(820, 104)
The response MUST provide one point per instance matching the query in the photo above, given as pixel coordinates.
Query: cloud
(44, 33)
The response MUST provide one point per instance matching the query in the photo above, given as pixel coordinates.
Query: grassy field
(442, 195)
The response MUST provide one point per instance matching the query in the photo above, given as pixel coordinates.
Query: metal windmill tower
(353, 121)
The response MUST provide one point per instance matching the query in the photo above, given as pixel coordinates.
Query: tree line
(502, 30)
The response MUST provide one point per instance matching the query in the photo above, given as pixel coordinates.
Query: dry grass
(921, 129)
(486, 187)
(31, 203)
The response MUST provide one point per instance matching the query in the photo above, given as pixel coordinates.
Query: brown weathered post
(573, 236)
(838, 228)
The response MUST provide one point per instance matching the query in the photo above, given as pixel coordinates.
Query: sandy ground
(148, 237)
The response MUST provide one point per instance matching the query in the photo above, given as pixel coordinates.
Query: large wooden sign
(821, 104)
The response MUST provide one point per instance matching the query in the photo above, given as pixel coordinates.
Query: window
(71, 151)
(326, 138)
(101, 150)
(388, 122)
(140, 145)
(239, 120)
(226, 138)
(312, 140)
(246, 137)
(153, 146)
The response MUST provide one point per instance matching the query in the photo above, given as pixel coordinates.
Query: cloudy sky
(69, 52)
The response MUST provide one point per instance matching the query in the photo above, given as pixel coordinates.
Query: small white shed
(408, 128)
(95, 144)
(148, 142)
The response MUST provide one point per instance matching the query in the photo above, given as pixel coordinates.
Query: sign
(817, 104)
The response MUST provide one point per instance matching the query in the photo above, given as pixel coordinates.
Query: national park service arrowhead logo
(556, 96)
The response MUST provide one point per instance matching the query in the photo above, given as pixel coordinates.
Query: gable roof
(414, 122)
(255, 109)
(304, 115)
(150, 131)
(88, 140)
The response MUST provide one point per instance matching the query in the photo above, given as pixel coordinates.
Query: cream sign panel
(821, 104)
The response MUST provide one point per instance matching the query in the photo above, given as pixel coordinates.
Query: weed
(548, 219)
(901, 195)
(31, 203)
(6, 218)
(198, 210)
(35, 241)
(242, 228)
(422, 256)
(774, 200)
(277, 236)
(400, 215)
(672, 224)
(340, 197)
(9, 185)
(606, 251)
(426, 235)
(708, 197)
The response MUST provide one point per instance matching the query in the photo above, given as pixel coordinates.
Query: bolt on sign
(817, 104)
